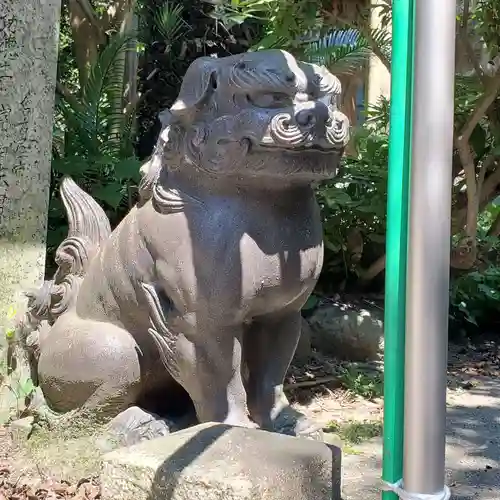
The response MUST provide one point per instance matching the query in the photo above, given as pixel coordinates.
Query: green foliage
(94, 139)
(359, 383)
(356, 199)
(172, 39)
(343, 52)
(475, 295)
(285, 21)
(354, 431)
(309, 32)
(21, 388)
(486, 19)
(169, 22)
(310, 304)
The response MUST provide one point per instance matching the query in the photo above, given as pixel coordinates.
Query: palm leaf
(343, 52)
(77, 127)
(77, 121)
(114, 114)
(105, 77)
(377, 114)
(169, 22)
(382, 38)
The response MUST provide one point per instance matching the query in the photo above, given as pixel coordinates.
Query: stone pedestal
(28, 65)
(220, 462)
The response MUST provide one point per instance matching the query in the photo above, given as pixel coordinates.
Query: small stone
(21, 429)
(347, 333)
(220, 462)
(131, 427)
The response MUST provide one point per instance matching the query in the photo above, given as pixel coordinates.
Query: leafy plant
(22, 388)
(476, 294)
(344, 52)
(169, 23)
(96, 136)
(285, 22)
(354, 203)
(355, 432)
(362, 384)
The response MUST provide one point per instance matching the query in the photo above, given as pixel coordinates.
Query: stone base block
(220, 462)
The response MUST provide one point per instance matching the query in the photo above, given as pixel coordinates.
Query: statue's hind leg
(89, 367)
(91, 376)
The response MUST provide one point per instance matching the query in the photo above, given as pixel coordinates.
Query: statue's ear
(200, 79)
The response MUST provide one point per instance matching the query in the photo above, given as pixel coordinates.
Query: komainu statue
(195, 298)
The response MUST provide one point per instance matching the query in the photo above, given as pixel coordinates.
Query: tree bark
(89, 30)
(87, 37)
(28, 66)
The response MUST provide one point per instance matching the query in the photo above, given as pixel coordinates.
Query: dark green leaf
(128, 169)
(311, 303)
(112, 194)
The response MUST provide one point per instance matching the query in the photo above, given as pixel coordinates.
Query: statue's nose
(309, 117)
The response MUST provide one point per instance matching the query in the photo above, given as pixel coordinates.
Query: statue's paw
(293, 423)
(46, 419)
(133, 426)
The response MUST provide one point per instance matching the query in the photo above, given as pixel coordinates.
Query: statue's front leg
(209, 365)
(269, 346)
(204, 356)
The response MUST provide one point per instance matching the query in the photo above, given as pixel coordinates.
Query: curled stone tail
(88, 228)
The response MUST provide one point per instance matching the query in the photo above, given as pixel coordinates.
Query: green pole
(398, 194)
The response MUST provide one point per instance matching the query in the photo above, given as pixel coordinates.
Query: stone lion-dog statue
(196, 295)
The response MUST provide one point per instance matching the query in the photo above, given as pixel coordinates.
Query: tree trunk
(89, 30)
(28, 65)
(86, 39)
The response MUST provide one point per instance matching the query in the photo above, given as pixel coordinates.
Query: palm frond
(99, 111)
(384, 11)
(377, 114)
(169, 22)
(115, 113)
(78, 124)
(77, 120)
(105, 78)
(382, 39)
(272, 41)
(344, 52)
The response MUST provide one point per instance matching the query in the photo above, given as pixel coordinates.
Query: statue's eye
(271, 100)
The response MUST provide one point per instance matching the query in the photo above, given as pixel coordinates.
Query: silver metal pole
(429, 251)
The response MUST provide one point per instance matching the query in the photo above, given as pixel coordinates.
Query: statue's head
(259, 114)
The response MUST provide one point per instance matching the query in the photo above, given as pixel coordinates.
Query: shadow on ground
(472, 451)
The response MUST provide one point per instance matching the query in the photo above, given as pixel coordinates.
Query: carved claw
(163, 337)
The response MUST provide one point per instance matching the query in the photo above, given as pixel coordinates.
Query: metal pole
(429, 251)
(398, 191)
